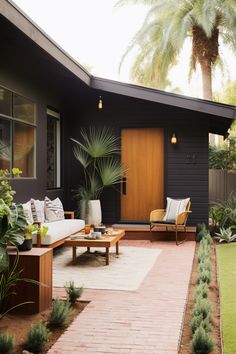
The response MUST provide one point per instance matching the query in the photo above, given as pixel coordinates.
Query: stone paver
(148, 320)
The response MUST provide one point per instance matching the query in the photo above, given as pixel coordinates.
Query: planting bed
(185, 344)
(19, 325)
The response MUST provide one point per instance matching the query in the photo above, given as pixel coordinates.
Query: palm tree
(169, 23)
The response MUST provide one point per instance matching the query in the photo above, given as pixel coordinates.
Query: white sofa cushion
(60, 229)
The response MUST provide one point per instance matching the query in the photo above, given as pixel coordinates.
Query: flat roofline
(25, 24)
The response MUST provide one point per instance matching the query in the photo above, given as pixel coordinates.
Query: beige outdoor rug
(125, 272)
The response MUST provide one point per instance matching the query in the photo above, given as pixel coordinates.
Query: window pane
(5, 101)
(24, 149)
(53, 152)
(5, 144)
(24, 109)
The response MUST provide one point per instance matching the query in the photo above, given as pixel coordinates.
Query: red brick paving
(148, 320)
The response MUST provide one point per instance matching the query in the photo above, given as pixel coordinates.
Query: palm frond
(110, 171)
(81, 155)
(99, 142)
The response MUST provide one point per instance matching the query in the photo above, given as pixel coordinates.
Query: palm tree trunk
(206, 79)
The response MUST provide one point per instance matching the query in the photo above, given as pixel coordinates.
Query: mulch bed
(185, 344)
(19, 325)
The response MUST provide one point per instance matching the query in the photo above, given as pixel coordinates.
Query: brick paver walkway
(145, 321)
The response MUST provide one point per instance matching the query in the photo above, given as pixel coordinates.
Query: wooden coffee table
(78, 240)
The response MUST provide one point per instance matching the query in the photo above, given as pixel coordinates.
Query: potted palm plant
(98, 153)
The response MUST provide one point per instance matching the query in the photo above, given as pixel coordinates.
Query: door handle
(124, 185)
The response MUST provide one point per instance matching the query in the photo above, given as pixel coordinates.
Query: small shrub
(204, 277)
(201, 232)
(37, 337)
(202, 307)
(198, 321)
(202, 342)
(7, 343)
(60, 313)
(204, 265)
(203, 255)
(201, 291)
(209, 239)
(73, 292)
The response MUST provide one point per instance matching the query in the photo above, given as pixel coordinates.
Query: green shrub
(202, 307)
(198, 321)
(208, 238)
(201, 232)
(204, 265)
(201, 291)
(60, 313)
(203, 255)
(37, 337)
(73, 292)
(204, 277)
(202, 342)
(7, 343)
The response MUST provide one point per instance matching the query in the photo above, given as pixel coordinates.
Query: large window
(53, 149)
(17, 132)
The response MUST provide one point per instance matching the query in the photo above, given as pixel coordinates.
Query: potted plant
(97, 152)
(30, 230)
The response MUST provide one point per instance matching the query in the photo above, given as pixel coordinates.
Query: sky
(96, 34)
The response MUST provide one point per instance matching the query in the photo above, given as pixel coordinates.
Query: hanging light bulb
(173, 139)
(100, 103)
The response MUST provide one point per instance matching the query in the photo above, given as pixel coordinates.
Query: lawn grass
(226, 258)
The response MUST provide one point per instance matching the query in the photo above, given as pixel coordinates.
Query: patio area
(148, 320)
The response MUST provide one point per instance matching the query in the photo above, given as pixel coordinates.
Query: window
(17, 132)
(53, 149)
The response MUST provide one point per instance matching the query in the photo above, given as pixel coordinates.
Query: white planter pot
(94, 212)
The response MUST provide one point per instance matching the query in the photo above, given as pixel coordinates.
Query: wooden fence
(221, 184)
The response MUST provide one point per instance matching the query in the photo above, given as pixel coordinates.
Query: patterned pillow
(37, 207)
(175, 207)
(28, 212)
(53, 209)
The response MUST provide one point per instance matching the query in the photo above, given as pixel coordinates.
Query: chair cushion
(53, 210)
(175, 207)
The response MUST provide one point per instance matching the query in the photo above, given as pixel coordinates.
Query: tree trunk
(206, 79)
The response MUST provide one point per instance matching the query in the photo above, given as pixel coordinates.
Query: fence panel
(221, 184)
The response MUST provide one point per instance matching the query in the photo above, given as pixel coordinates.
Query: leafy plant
(204, 265)
(202, 342)
(7, 343)
(9, 278)
(73, 292)
(60, 313)
(37, 338)
(225, 235)
(96, 152)
(30, 229)
(223, 214)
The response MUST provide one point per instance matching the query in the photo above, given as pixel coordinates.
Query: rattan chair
(156, 219)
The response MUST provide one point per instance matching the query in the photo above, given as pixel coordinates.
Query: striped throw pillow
(175, 207)
(53, 209)
(37, 207)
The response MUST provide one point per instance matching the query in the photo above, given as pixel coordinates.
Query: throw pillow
(28, 212)
(37, 207)
(53, 209)
(175, 207)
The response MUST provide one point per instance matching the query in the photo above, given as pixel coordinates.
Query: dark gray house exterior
(46, 97)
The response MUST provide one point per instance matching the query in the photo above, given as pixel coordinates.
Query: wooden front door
(143, 186)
